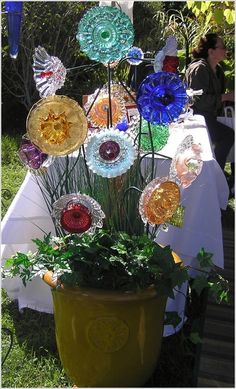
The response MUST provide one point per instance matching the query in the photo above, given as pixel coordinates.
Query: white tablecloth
(28, 218)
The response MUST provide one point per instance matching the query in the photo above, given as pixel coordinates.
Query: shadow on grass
(36, 330)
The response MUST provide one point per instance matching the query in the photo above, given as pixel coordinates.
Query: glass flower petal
(135, 55)
(187, 163)
(99, 114)
(105, 34)
(31, 156)
(49, 72)
(170, 64)
(158, 137)
(14, 10)
(57, 125)
(161, 97)
(78, 213)
(110, 153)
(159, 201)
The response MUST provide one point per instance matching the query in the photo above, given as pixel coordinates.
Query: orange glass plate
(57, 125)
(159, 201)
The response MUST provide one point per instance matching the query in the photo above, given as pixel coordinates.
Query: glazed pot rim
(97, 293)
(108, 294)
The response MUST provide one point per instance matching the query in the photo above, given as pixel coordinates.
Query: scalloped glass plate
(187, 163)
(57, 125)
(135, 56)
(99, 114)
(110, 153)
(49, 72)
(105, 34)
(78, 213)
(159, 201)
(161, 97)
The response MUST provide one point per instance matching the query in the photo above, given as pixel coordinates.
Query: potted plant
(109, 292)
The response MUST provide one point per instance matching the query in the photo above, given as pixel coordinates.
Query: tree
(52, 25)
(220, 14)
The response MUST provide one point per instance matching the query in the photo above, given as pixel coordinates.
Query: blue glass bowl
(161, 97)
(105, 34)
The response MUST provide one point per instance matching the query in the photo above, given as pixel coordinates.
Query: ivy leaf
(179, 276)
(165, 289)
(162, 256)
(9, 262)
(172, 318)
(120, 248)
(204, 258)
(194, 337)
(200, 283)
(220, 291)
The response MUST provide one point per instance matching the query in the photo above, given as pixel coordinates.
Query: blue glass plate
(161, 97)
(110, 153)
(105, 34)
(135, 56)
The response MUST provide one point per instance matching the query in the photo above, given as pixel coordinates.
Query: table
(28, 218)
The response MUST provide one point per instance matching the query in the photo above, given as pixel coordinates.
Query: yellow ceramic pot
(108, 338)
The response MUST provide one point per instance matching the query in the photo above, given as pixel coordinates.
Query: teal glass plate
(105, 34)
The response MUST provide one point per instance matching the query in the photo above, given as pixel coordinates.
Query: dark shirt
(199, 75)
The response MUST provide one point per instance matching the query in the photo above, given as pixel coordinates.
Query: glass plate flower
(57, 125)
(49, 72)
(159, 134)
(135, 56)
(99, 115)
(187, 163)
(105, 34)
(78, 213)
(110, 153)
(32, 157)
(159, 201)
(161, 97)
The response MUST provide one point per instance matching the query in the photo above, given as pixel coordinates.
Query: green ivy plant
(113, 261)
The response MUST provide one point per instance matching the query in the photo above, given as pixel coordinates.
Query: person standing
(205, 73)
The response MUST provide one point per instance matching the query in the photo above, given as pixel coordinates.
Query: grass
(13, 172)
(33, 360)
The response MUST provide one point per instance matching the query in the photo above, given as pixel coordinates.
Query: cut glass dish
(161, 97)
(99, 114)
(49, 72)
(78, 213)
(187, 163)
(57, 125)
(159, 201)
(105, 34)
(158, 137)
(110, 153)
